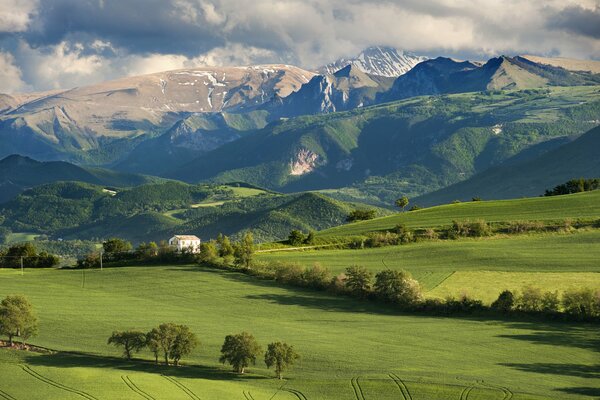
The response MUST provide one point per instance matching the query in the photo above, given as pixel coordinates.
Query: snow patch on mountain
(382, 61)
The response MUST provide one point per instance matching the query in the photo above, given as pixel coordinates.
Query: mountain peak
(377, 60)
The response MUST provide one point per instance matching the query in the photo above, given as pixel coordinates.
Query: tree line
(574, 186)
(176, 341)
(12, 257)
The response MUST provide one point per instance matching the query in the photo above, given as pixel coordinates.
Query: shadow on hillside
(79, 360)
(578, 370)
(583, 391)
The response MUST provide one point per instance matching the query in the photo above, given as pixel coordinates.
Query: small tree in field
(397, 287)
(208, 252)
(131, 341)
(296, 238)
(240, 351)
(166, 337)
(402, 202)
(244, 251)
(505, 301)
(17, 318)
(116, 245)
(358, 280)
(281, 356)
(225, 247)
(185, 341)
(153, 343)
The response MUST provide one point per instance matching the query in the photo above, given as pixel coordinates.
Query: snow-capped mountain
(383, 61)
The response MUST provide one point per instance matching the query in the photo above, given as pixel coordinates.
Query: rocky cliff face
(382, 61)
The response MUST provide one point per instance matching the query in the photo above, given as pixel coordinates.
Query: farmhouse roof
(187, 237)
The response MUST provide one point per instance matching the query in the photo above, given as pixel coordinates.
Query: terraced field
(366, 351)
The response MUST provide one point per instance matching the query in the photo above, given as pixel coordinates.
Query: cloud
(81, 41)
(10, 75)
(578, 20)
(15, 15)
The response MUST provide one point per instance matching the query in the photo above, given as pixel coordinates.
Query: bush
(397, 287)
(516, 227)
(530, 299)
(550, 302)
(505, 302)
(296, 238)
(290, 274)
(581, 303)
(358, 280)
(381, 239)
(361, 215)
(316, 277)
(480, 228)
(430, 234)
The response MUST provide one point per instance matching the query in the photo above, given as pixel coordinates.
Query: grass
(573, 206)
(431, 262)
(18, 237)
(347, 346)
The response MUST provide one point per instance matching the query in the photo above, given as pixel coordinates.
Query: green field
(350, 350)
(573, 206)
(433, 263)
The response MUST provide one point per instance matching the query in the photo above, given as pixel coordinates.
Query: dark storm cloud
(577, 20)
(153, 26)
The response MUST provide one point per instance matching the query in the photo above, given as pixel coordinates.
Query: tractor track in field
(401, 385)
(358, 392)
(464, 395)
(247, 395)
(507, 394)
(6, 396)
(134, 388)
(184, 388)
(442, 281)
(27, 369)
(299, 395)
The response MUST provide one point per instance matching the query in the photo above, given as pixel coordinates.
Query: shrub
(296, 238)
(550, 302)
(516, 227)
(430, 234)
(361, 215)
(358, 280)
(458, 229)
(289, 273)
(397, 287)
(530, 299)
(92, 260)
(480, 228)
(317, 277)
(581, 303)
(504, 302)
(338, 284)
(380, 239)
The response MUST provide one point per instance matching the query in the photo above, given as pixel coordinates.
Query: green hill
(408, 147)
(18, 173)
(75, 210)
(580, 205)
(578, 158)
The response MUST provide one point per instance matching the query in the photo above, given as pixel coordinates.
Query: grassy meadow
(350, 349)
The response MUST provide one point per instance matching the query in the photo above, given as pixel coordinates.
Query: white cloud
(10, 75)
(15, 15)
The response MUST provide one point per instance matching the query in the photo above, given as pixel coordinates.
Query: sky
(51, 44)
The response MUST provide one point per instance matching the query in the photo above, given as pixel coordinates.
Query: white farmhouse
(189, 243)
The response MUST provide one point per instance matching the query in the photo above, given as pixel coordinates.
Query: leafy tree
(530, 299)
(153, 343)
(317, 276)
(361, 215)
(244, 251)
(4, 233)
(296, 238)
(208, 252)
(131, 341)
(116, 245)
(225, 247)
(147, 250)
(397, 287)
(185, 341)
(167, 334)
(402, 202)
(310, 238)
(581, 303)
(550, 302)
(281, 356)
(505, 301)
(15, 252)
(358, 280)
(240, 351)
(17, 318)
(92, 260)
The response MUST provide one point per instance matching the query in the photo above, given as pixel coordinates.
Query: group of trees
(173, 341)
(298, 238)
(582, 303)
(241, 350)
(17, 319)
(28, 254)
(575, 186)
(391, 286)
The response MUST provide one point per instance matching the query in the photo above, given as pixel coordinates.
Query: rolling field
(580, 205)
(350, 350)
(475, 265)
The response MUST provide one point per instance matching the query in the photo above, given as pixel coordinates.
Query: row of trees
(575, 186)
(17, 319)
(175, 341)
(28, 254)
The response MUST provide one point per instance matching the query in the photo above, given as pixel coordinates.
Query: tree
(310, 238)
(167, 333)
(17, 318)
(361, 215)
(240, 351)
(358, 280)
(147, 250)
(402, 202)
(131, 341)
(397, 287)
(530, 299)
(505, 301)
(280, 355)
(244, 251)
(116, 245)
(296, 238)
(153, 343)
(185, 341)
(208, 252)
(225, 247)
